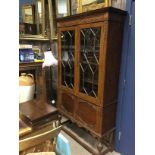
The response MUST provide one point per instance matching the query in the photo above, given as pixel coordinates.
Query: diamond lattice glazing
(67, 48)
(89, 60)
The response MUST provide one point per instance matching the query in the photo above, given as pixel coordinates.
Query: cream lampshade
(49, 59)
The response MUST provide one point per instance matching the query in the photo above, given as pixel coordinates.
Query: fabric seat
(62, 145)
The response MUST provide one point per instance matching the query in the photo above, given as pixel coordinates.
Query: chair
(62, 145)
(40, 142)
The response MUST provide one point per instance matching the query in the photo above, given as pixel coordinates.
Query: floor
(77, 149)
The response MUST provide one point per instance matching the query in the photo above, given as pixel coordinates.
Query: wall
(125, 124)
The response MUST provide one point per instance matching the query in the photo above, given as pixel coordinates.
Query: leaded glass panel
(89, 60)
(67, 57)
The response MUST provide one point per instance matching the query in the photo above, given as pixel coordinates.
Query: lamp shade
(49, 59)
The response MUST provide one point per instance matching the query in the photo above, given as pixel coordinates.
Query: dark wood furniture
(38, 72)
(36, 113)
(39, 122)
(89, 53)
(39, 125)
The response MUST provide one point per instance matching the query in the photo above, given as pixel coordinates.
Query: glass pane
(89, 60)
(67, 57)
(39, 17)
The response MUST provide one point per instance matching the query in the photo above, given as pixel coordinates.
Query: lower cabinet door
(88, 115)
(66, 103)
(85, 114)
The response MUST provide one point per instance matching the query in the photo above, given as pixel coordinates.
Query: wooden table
(38, 124)
(36, 113)
(24, 128)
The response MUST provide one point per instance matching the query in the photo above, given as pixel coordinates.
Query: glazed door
(66, 58)
(89, 61)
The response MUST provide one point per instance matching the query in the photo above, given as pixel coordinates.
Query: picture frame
(74, 4)
(62, 8)
(38, 16)
(28, 13)
(52, 18)
(88, 5)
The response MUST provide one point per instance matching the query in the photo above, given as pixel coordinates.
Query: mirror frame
(53, 34)
(91, 6)
(31, 8)
(41, 36)
(67, 7)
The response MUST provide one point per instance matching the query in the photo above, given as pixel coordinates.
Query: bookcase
(89, 54)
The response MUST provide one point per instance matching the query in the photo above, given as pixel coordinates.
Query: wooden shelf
(33, 37)
(36, 39)
(36, 69)
(30, 63)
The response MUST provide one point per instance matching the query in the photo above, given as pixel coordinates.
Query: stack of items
(26, 53)
(29, 53)
(38, 54)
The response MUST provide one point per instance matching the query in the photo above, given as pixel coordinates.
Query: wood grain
(95, 114)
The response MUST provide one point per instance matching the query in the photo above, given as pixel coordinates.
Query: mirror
(63, 8)
(39, 16)
(88, 5)
(52, 19)
(28, 13)
(32, 18)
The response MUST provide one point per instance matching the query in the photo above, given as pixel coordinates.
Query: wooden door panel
(88, 115)
(67, 103)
